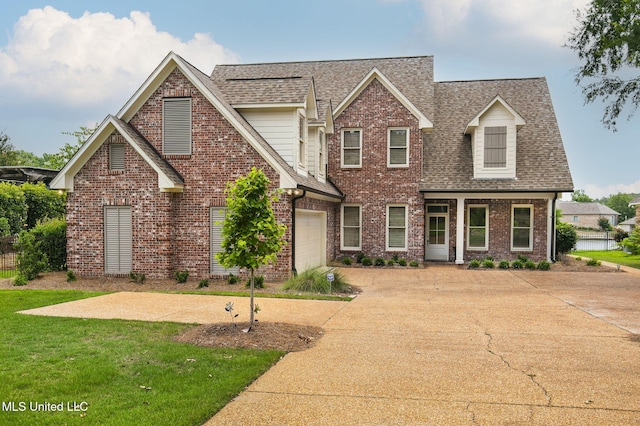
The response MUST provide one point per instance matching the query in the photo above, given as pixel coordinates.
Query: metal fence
(8, 255)
(596, 241)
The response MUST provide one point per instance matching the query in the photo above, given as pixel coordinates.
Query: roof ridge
(329, 60)
(490, 79)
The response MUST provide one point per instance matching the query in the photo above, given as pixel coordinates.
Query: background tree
(607, 41)
(604, 224)
(58, 160)
(251, 237)
(620, 203)
(8, 155)
(580, 196)
(566, 237)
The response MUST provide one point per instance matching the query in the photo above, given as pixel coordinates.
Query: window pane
(477, 237)
(351, 237)
(398, 138)
(521, 238)
(521, 217)
(351, 157)
(477, 216)
(398, 156)
(396, 238)
(495, 146)
(352, 139)
(437, 209)
(351, 216)
(396, 216)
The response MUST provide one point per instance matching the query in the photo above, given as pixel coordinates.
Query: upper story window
(176, 126)
(398, 147)
(116, 156)
(495, 146)
(302, 149)
(351, 155)
(321, 159)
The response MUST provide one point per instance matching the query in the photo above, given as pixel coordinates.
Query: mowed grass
(613, 256)
(118, 372)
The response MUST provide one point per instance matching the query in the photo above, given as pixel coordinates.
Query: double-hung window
(351, 148)
(396, 228)
(321, 165)
(521, 227)
(176, 126)
(302, 151)
(397, 147)
(477, 228)
(495, 147)
(351, 238)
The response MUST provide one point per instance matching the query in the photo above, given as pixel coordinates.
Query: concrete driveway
(440, 346)
(445, 346)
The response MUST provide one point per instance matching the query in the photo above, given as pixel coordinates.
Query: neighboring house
(628, 225)
(586, 215)
(636, 202)
(371, 155)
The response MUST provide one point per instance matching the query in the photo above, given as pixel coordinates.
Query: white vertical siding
(279, 127)
(497, 115)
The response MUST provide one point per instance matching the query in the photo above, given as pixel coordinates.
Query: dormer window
(302, 149)
(495, 146)
(494, 140)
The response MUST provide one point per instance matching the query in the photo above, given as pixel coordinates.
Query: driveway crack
(530, 376)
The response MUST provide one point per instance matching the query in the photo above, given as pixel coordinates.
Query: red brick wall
(375, 185)
(170, 231)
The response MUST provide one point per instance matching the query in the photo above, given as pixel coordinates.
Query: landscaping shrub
(42, 203)
(181, 276)
(346, 261)
(379, 262)
(52, 236)
(13, 206)
(543, 265)
(632, 242)
(529, 264)
(20, 280)
(593, 262)
(414, 264)
(203, 283)
(391, 262)
(619, 235)
(315, 281)
(566, 237)
(488, 263)
(31, 259)
(359, 257)
(475, 263)
(137, 277)
(366, 261)
(522, 258)
(402, 262)
(71, 277)
(504, 264)
(232, 279)
(517, 264)
(258, 282)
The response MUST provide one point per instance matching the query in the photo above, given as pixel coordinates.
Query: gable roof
(168, 179)
(576, 208)
(541, 162)
(475, 121)
(288, 176)
(335, 80)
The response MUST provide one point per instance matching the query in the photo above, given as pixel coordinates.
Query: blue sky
(66, 64)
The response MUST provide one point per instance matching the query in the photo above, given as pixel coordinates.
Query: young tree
(607, 41)
(251, 237)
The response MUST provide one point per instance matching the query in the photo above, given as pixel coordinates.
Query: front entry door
(437, 235)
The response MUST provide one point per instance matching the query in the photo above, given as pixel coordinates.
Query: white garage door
(311, 239)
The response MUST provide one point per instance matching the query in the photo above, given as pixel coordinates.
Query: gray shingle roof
(334, 80)
(304, 182)
(635, 201)
(265, 90)
(574, 207)
(150, 151)
(541, 163)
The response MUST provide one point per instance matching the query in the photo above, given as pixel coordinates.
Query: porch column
(460, 231)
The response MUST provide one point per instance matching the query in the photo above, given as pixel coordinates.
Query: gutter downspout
(293, 231)
(554, 255)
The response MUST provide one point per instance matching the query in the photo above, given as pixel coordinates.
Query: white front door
(437, 235)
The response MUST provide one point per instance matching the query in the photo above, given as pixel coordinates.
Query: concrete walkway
(444, 346)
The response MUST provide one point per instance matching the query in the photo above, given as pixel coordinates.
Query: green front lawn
(613, 256)
(111, 372)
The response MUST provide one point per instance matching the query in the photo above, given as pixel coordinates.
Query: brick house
(586, 215)
(371, 156)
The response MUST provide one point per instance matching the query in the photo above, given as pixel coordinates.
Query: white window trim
(406, 228)
(189, 140)
(112, 163)
(302, 142)
(486, 226)
(322, 153)
(342, 246)
(408, 139)
(531, 226)
(350, 166)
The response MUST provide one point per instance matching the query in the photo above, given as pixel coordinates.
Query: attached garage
(311, 239)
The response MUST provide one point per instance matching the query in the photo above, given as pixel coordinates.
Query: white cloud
(598, 191)
(94, 58)
(545, 21)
